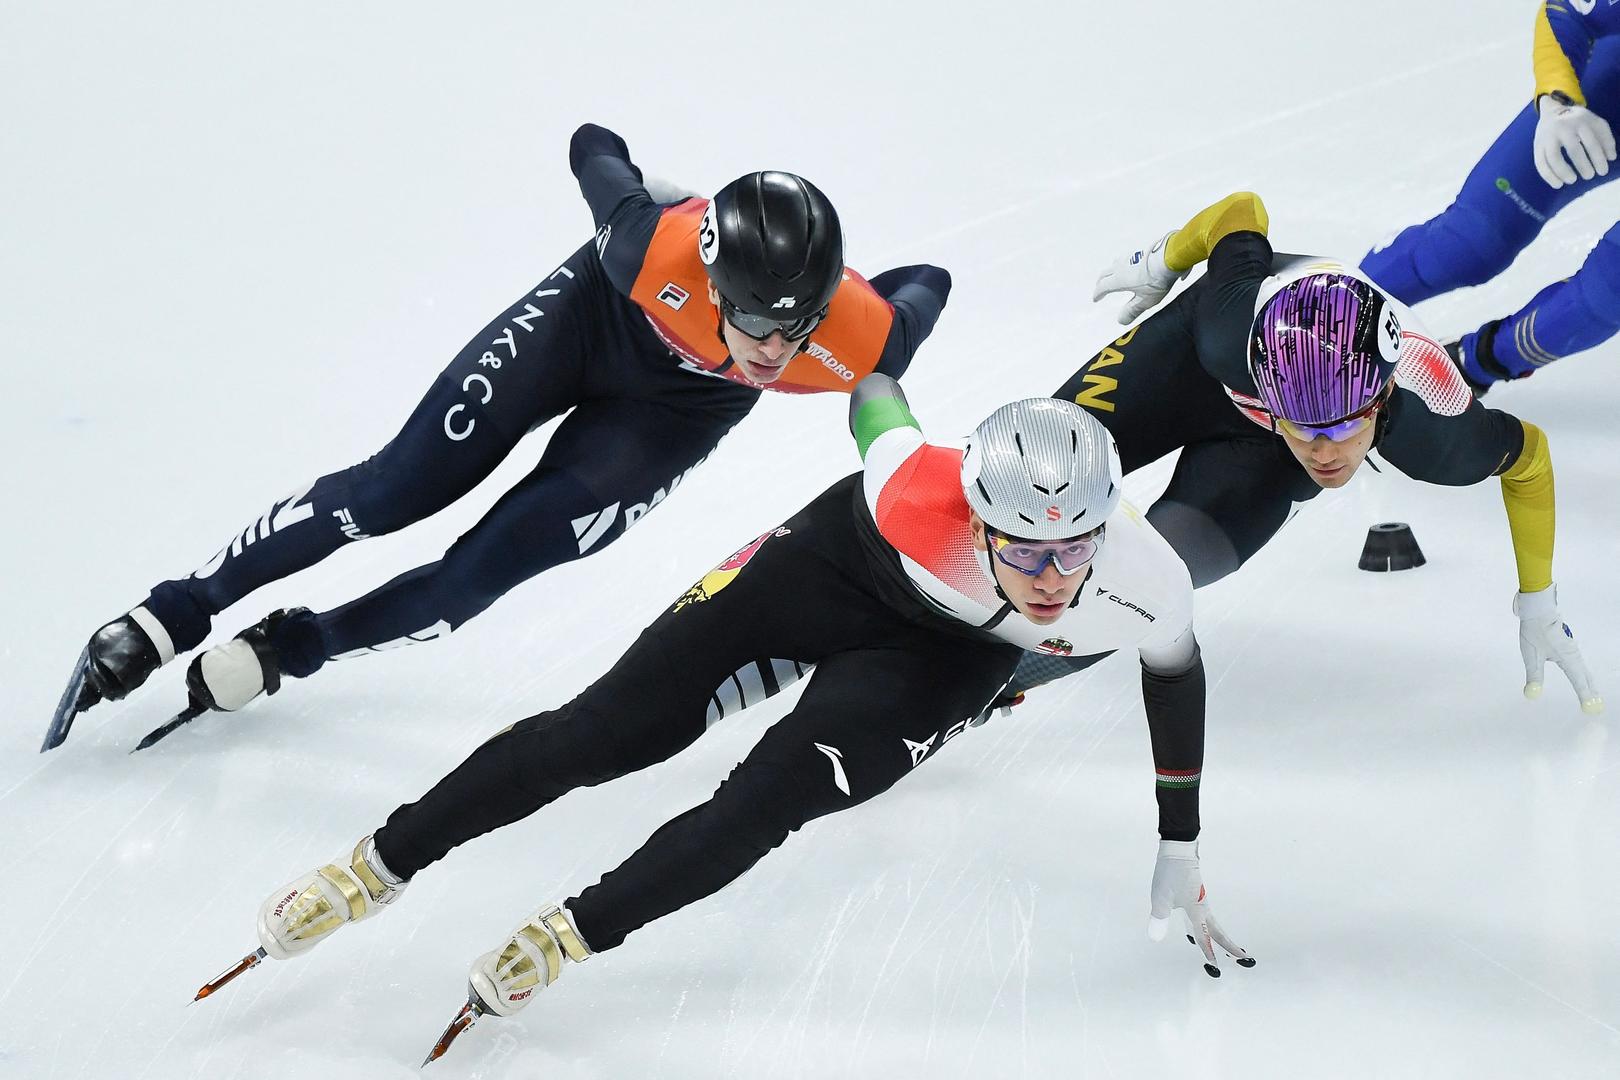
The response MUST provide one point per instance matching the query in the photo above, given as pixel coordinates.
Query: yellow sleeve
(1553, 69)
(1527, 492)
(1190, 245)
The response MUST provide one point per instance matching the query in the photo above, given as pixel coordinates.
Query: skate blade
(184, 716)
(466, 1018)
(251, 960)
(67, 709)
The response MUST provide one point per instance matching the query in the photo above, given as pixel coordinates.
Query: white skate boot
(503, 981)
(300, 915)
(304, 913)
(228, 676)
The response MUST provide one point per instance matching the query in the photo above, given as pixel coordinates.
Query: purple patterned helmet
(1323, 346)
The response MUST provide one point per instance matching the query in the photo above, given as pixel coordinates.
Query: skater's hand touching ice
(1543, 636)
(1179, 886)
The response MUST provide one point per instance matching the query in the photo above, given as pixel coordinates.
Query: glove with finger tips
(1178, 885)
(1143, 274)
(1002, 707)
(1571, 141)
(1543, 636)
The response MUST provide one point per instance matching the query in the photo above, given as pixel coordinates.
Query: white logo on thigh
(921, 750)
(836, 756)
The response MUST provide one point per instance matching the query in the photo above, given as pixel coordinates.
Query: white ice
(239, 241)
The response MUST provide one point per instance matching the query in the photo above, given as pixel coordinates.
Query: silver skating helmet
(1041, 469)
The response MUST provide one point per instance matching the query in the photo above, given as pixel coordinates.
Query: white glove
(665, 191)
(1566, 128)
(1543, 636)
(1177, 884)
(1143, 274)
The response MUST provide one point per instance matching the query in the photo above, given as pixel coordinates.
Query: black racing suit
(894, 681)
(891, 686)
(638, 420)
(1163, 387)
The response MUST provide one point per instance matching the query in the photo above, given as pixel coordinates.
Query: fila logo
(786, 301)
(836, 756)
(1053, 513)
(283, 513)
(673, 295)
(346, 522)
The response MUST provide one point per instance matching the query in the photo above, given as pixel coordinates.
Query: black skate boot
(1483, 361)
(118, 659)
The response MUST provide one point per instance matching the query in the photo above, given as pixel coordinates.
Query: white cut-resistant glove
(1564, 128)
(1001, 708)
(665, 191)
(1177, 884)
(1543, 636)
(1143, 274)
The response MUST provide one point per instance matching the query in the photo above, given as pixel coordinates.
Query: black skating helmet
(773, 247)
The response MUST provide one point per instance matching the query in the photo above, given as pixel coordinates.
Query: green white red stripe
(1178, 778)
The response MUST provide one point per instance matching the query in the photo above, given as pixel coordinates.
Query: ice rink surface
(239, 243)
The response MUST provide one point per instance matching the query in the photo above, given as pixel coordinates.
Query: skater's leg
(1569, 316)
(499, 385)
(1501, 208)
(1225, 500)
(731, 639)
(867, 718)
(607, 466)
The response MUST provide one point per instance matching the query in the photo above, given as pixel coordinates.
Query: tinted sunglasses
(1337, 431)
(760, 327)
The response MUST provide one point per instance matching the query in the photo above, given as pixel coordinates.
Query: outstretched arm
(1174, 700)
(1150, 275)
(1527, 492)
(626, 215)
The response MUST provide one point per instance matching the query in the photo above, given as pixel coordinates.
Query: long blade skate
(184, 716)
(466, 1018)
(68, 709)
(251, 960)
